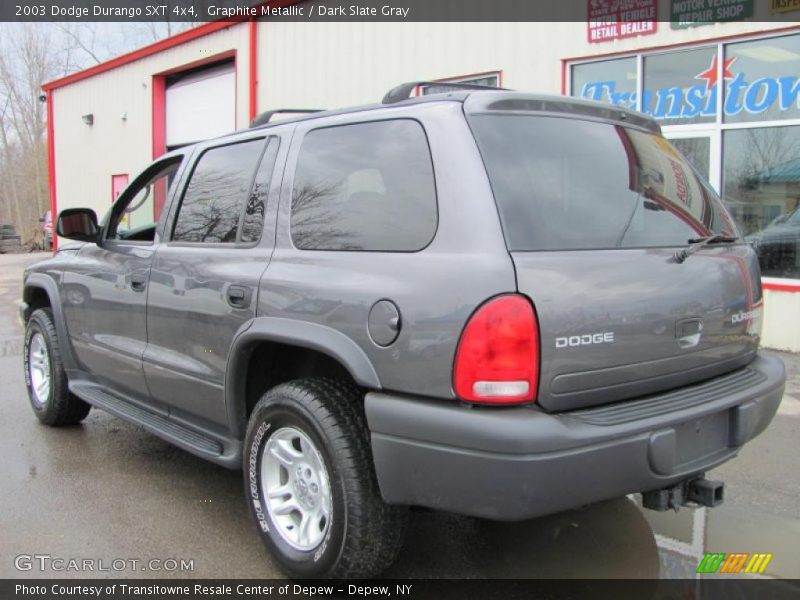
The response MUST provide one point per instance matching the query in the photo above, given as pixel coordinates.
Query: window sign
(609, 20)
(693, 13)
(761, 82)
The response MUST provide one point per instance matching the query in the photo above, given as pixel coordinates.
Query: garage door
(201, 105)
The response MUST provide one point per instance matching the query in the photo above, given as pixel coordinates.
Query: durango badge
(742, 316)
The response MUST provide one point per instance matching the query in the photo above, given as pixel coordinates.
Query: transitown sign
(753, 96)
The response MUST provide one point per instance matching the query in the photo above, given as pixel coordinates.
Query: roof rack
(265, 117)
(404, 90)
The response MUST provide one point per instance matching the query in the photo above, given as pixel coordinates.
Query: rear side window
(217, 195)
(368, 187)
(569, 184)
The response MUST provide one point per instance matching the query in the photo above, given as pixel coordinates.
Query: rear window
(569, 184)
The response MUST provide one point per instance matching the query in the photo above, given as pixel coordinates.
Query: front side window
(569, 184)
(217, 194)
(368, 186)
(133, 217)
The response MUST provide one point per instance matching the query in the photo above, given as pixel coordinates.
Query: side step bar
(225, 452)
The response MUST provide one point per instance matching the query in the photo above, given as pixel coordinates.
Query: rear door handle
(238, 296)
(138, 283)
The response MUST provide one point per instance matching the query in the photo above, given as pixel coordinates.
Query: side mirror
(78, 224)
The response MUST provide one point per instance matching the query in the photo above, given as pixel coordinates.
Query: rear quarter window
(366, 186)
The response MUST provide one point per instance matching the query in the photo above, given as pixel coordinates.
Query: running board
(227, 452)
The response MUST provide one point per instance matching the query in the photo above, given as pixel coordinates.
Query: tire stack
(9, 240)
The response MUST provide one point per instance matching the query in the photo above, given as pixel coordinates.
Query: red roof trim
(165, 44)
(252, 67)
(160, 46)
(780, 287)
(51, 167)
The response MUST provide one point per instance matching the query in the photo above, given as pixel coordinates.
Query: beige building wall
(330, 65)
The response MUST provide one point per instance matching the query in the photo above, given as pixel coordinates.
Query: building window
(761, 81)
(487, 79)
(610, 81)
(680, 87)
(367, 186)
(761, 184)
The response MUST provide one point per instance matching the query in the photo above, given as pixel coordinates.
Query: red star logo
(710, 74)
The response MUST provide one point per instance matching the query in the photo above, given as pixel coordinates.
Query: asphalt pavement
(112, 494)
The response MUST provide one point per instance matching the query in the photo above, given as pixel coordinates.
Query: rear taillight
(497, 360)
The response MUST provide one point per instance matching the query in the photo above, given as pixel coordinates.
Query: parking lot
(107, 490)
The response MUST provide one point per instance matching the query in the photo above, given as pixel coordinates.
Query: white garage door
(201, 105)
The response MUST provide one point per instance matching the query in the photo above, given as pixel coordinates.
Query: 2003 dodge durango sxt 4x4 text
(480, 301)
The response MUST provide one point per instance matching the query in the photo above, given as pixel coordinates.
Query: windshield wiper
(696, 244)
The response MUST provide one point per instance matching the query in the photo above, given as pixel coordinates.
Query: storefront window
(761, 80)
(680, 87)
(757, 166)
(761, 184)
(611, 81)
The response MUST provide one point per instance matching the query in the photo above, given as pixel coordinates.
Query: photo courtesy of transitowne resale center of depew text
(411, 299)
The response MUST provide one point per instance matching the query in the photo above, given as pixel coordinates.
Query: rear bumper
(518, 463)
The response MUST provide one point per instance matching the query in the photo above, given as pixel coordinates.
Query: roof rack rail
(404, 90)
(265, 117)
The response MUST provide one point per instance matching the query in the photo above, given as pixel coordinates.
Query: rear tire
(307, 446)
(45, 377)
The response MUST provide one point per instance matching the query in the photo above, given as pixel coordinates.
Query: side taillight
(497, 360)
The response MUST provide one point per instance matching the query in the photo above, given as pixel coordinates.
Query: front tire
(311, 485)
(45, 377)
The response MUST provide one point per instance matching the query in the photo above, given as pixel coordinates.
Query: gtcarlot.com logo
(46, 562)
(736, 562)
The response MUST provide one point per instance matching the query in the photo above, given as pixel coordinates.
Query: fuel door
(384, 323)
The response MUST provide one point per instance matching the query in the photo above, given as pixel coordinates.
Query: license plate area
(701, 437)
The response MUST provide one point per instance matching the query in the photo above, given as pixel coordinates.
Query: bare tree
(30, 55)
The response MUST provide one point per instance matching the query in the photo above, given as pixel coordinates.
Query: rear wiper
(696, 244)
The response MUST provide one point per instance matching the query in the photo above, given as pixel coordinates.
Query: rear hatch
(594, 207)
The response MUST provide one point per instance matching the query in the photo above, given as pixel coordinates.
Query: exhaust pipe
(702, 491)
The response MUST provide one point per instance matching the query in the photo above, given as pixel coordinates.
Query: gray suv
(486, 302)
